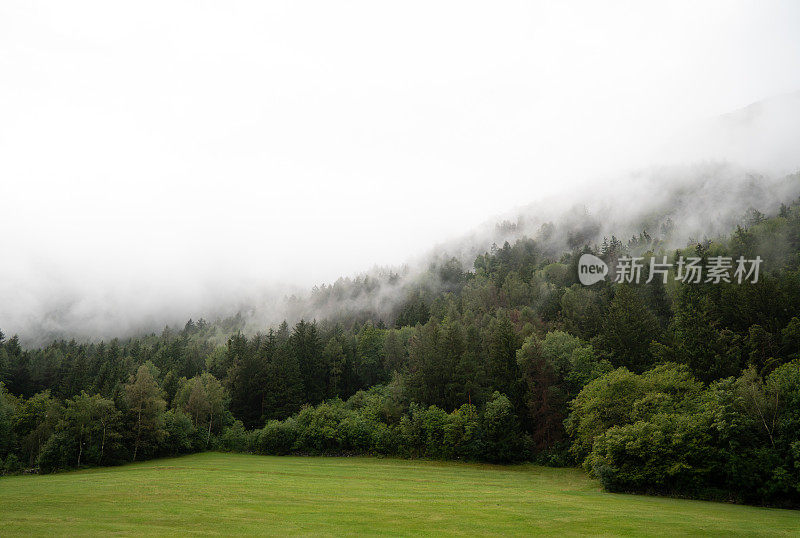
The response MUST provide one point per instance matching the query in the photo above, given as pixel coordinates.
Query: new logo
(591, 269)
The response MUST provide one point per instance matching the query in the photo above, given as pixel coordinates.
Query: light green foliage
(88, 432)
(146, 406)
(736, 439)
(622, 397)
(34, 422)
(319, 427)
(669, 453)
(574, 361)
(423, 431)
(236, 438)
(277, 437)
(204, 400)
(557, 273)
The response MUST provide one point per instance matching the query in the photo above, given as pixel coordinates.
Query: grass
(215, 493)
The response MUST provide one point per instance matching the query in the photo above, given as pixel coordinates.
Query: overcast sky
(152, 151)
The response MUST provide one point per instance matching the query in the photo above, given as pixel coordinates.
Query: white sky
(151, 151)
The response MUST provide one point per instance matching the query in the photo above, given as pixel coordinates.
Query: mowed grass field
(215, 493)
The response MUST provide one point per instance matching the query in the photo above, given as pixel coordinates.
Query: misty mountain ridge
(674, 204)
(763, 136)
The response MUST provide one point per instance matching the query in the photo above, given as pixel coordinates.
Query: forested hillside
(665, 387)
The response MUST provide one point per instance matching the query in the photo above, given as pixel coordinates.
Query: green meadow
(214, 493)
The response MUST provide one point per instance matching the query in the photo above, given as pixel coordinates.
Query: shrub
(675, 454)
(236, 439)
(423, 432)
(277, 437)
(354, 433)
(318, 428)
(622, 397)
(385, 439)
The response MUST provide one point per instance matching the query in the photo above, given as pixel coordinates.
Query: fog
(167, 160)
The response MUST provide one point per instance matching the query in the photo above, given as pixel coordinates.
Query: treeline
(51, 434)
(672, 387)
(367, 424)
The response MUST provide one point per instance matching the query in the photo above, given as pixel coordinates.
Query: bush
(622, 397)
(673, 454)
(318, 428)
(423, 432)
(354, 433)
(734, 440)
(277, 437)
(385, 439)
(236, 439)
